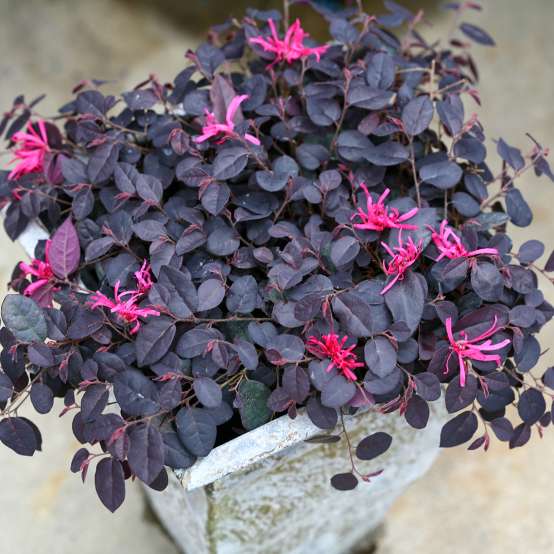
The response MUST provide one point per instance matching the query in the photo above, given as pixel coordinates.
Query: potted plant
(287, 228)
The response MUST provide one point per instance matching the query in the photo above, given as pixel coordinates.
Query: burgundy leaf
(110, 483)
(65, 250)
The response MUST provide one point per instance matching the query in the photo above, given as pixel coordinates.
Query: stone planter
(268, 491)
(30, 237)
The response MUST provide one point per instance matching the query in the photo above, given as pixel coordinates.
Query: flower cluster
(291, 47)
(41, 270)
(450, 246)
(377, 217)
(403, 256)
(246, 241)
(126, 304)
(226, 130)
(341, 357)
(32, 146)
(467, 349)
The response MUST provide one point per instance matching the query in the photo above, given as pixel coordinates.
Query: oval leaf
(374, 445)
(197, 430)
(23, 317)
(458, 430)
(109, 481)
(64, 252)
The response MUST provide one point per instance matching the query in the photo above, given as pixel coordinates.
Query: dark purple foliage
(264, 241)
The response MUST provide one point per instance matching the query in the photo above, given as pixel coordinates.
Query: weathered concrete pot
(30, 237)
(268, 491)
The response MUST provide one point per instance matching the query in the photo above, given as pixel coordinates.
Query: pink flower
(30, 155)
(450, 246)
(465, 348)
(378, 217)
(40, 269)
(213, 128)
(330, 346)
(127, 309)
(402, 258)
(144, 278)
(289, 49)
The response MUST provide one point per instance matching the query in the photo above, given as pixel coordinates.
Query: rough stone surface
(281, 501)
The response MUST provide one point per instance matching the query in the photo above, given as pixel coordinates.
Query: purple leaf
(146, 451)
(417, 412)
(530, 251)
(477, 34)
(197, 430)
(19, 434)
(380, 71)
(443, 175)
(320, 415)
(93, 402)
(110, 483)
(210, 294)
(458, 430)
(337, 392)
(344, 481)
(42, 398)
(417, 115)
(457, 397)
(520, 436)
(451, 113)
(502, 428)
(296, 383)
(518, 209)
(102, 163)
(65, 251)
(531, 406)
(380, 356)
(373, 446)
(6, 387)
(428, 386)
(471, 149)
(154, 340)
(230, 162)
(79, 457)
(176, 456)
(136, 393)
(247, 353)
(406, 300)
(207, 391)
(512, 156)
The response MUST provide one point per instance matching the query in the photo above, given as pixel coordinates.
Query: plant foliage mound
(287, 224)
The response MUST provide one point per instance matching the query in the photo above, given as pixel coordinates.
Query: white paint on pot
(30, 237)
(268, 491)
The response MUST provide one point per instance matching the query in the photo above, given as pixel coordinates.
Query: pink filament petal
(31, 151)
(450, 246)
(212, 128)
(330, 346)
(403, 257)
(291, 47)
(379, 217)
(467, 349)
(232, 109)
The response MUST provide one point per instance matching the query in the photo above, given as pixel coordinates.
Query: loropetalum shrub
(287, 224)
